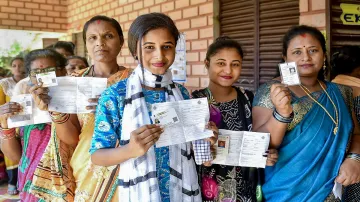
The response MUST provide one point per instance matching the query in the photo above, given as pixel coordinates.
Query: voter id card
(223, 144)
(47, 78)
(25, 100)
(166, 118)
(289, 74)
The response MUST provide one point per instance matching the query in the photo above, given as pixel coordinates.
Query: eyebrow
(146, 43)
(225, 60)
(303, 46)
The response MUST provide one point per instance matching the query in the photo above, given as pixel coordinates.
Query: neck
(219, 92)
(309, 82)
(18, 78)
(105, 70)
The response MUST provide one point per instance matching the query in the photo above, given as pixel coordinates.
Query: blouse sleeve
(107, 122)
(184, 91)
(2, 96)
(262, 96)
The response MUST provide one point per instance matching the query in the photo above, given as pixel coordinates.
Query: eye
(91, 38)
(221, 63)
(109, 36)
(297, 52)
(149, 47)
(236, 64)
(167, 47)
(313, 51)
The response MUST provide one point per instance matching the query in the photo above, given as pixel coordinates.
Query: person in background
(75, 64)
(65, 48)
(345, 69)
(33, 138)
(6, 89)
(312, 125)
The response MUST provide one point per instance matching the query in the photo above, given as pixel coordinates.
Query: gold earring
(324, 66)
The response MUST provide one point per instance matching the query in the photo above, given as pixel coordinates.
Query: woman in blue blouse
(123, 114)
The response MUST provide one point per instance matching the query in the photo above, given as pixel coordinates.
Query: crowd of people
(110, 154)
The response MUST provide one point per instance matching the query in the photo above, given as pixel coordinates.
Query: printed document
(183, 121)
(72, 93)
(241, 148)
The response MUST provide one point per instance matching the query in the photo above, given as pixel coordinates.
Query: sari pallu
(310, 155)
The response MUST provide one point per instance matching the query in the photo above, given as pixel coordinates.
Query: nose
(306, 56)
(227, 69)
(100, 41)
(159, 54)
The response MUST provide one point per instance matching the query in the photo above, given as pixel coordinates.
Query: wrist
(7, 134)
(283, 117)
(353, 156)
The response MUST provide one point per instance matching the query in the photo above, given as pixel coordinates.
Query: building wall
(37, 15)
(193, 17)
(313, 13)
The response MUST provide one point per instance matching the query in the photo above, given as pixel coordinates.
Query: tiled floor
(4, 197)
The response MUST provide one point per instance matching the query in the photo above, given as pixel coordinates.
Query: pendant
(335, 130)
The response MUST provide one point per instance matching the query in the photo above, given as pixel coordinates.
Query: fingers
(93, 100)
(144, 127)
(152, 137)
(91, 107)
(10, 108)
(151, 131)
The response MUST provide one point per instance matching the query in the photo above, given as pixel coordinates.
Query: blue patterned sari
(311, 154)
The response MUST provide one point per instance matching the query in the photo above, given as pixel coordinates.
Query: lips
(158, 64)
(226, 77)
(306, 65)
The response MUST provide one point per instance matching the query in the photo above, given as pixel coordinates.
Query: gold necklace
(336, 122)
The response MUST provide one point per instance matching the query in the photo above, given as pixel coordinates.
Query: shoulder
(183, 90)
(21, 87)
(247, 93)
(199, 93)
(262, 95)
(117, 89)
(346, 91)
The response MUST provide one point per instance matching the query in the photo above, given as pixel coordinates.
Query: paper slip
(72, 93)
(25, 101)
(337, 190)
(245, 148)
(289, 74)
(47, 78)
(183, 121)
(28, 116)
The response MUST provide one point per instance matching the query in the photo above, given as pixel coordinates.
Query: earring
(136, 57)
(324, 66)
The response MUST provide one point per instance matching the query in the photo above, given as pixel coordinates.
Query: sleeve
(107, 122)
(262, 96)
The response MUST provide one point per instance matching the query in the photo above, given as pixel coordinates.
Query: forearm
(111, 156)
(276, 129)
(11, 149)
(69, 131)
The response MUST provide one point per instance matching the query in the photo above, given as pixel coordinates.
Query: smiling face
(306, 51)
(224, 67)
(102, 41)
(158, 50)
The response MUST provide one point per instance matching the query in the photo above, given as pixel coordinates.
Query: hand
(281, 98)
(40, 96)
(7, 110)
(143, 138)
(272, 157)
(349, 172)
(94, 103)
(213, 153)
(212, 126)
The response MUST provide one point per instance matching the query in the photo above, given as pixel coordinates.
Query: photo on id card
(289, 74)
(165, 118)
(47, 78)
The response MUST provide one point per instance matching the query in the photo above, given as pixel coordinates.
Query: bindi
(303, 35)
(98, 21)
(41, 66)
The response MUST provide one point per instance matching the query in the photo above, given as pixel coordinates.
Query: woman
(75, 64)
(6, 89)
(65, 48)
(103, 38)
(233, 112)
(345, 65)
(34, 138)
(166, 173)
(310, 124)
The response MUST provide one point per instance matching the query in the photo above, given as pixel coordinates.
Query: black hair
(223, 42)
(304, 29)
(16, 58)
(76, 57)
(68, 46)
(112, 21)
(345, 60)
(143, 24)
(44, 53)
